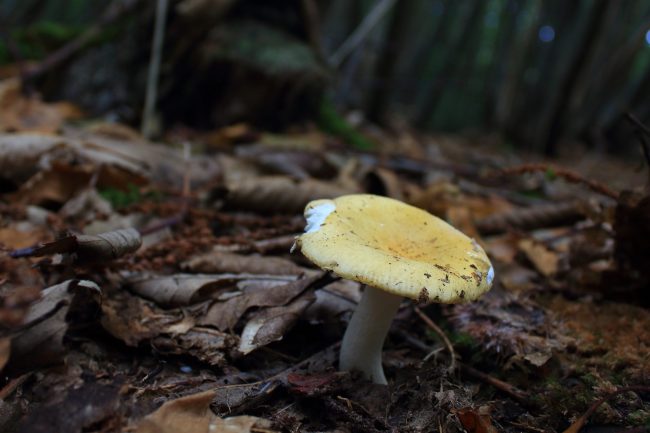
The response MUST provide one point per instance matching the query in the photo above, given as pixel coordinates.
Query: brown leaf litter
(213, 324)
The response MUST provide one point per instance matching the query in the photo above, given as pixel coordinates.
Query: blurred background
(532, 75)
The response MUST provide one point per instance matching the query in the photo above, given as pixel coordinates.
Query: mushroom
(396, 251)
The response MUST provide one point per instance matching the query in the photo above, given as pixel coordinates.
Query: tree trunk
(382, 84)
(526, 33)
(457, 45)
(495, 74)
(578, 62)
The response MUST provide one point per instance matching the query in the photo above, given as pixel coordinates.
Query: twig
(115, 10)
(360, 33)
(163, 224)
(154, 69)
(569, 175)
(505, 387)
(187, 157)
(431, 324)
(527, 427)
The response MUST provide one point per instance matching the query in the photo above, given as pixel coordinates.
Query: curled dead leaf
(192, 414)
(40, 340)
(133, 319)
(225, 313)
(21, 154)
(271, 324)
(186, 289)
(89, 248)
(108, 246)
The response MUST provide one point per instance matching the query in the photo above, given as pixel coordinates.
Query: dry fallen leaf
(271, 324)
(40, 341)
(54, 186)
(279, 194)
(98, 248)
(186, 289)
(205, 344)
(28, 113)
(22, 155)
(545, 261)
(117, 163)
(171, 331)
(86, 205)
(226, 312)
(22, 234)
(221, 261)
(133, 319)
(474, 421)
(192, 414)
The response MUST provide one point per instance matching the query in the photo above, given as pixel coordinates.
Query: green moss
(462, 340)
(550, 174)
(639, 417)
(37, 40)
(333, 123)
(590, 380)
(119, 198)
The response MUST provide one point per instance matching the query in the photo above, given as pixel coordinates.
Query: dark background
(540, 75)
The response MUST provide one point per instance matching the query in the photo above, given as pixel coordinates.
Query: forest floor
(150, 288)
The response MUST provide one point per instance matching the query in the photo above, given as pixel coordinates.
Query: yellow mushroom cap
(393, 246)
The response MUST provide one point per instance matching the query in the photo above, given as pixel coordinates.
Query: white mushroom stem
(364, 338)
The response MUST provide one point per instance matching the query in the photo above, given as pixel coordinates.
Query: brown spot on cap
(423, 298)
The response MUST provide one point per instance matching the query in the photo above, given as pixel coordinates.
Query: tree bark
(578, 62)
